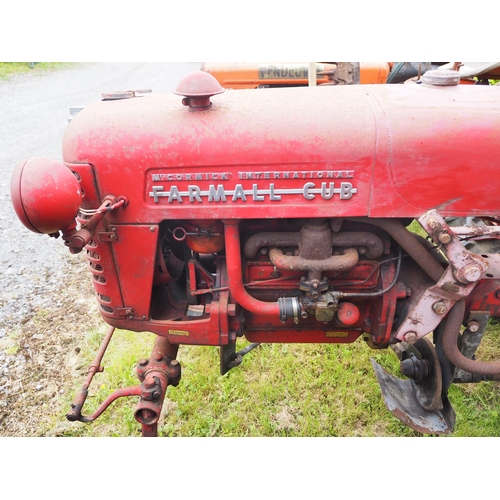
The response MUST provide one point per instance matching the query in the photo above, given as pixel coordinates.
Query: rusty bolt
(473, 326)
(149, 382)
(471, 273)
(158, 357)
(439, 307)
(174, 362)
(434, 224)
(444, 238)
(411, 337)
(143, 362)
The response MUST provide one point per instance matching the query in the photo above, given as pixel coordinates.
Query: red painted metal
(235, 275)
(45, 194)
(156, 374)
(198, 87)
(281, 215)
(397, 145)
(348, 314)
(77, 406)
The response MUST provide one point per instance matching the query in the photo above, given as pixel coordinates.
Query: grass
(280, 390)
(8, 69)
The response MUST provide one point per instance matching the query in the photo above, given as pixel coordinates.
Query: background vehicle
(239, 75)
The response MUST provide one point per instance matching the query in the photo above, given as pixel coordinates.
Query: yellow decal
(337, 334)
(179, 332)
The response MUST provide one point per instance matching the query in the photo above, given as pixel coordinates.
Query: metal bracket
(346, 73)
(126, 312)
(123, 94)
(229, 358)
(467, 267)
(108, 236)
(456, 283)
(432, 307)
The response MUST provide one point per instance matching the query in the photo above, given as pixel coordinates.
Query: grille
(98, 272)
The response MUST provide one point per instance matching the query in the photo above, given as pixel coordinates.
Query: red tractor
(281, 216)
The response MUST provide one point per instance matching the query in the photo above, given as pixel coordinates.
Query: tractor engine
(281, 216)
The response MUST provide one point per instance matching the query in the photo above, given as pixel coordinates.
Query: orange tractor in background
(242, 75)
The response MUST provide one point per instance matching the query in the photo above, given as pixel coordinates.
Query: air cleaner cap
(45, 194)
(197, 87)
(441, 77)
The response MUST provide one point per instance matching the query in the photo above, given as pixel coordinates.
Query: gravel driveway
(38, 272)
(34, 111)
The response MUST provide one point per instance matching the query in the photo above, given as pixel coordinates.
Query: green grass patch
(8, 69)
(280, 390)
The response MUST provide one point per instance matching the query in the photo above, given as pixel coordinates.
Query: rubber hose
(450, 345)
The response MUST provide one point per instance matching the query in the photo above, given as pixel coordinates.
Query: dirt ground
(46, 296)
(39, 361)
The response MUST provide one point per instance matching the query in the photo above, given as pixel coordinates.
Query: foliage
(279, 390)
(8, 69)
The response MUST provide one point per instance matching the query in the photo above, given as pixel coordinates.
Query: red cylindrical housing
(347, 314)
(45, 194)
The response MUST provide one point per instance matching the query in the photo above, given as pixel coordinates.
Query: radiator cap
(197, 87)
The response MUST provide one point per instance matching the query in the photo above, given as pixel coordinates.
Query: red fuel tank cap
(197, 87)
